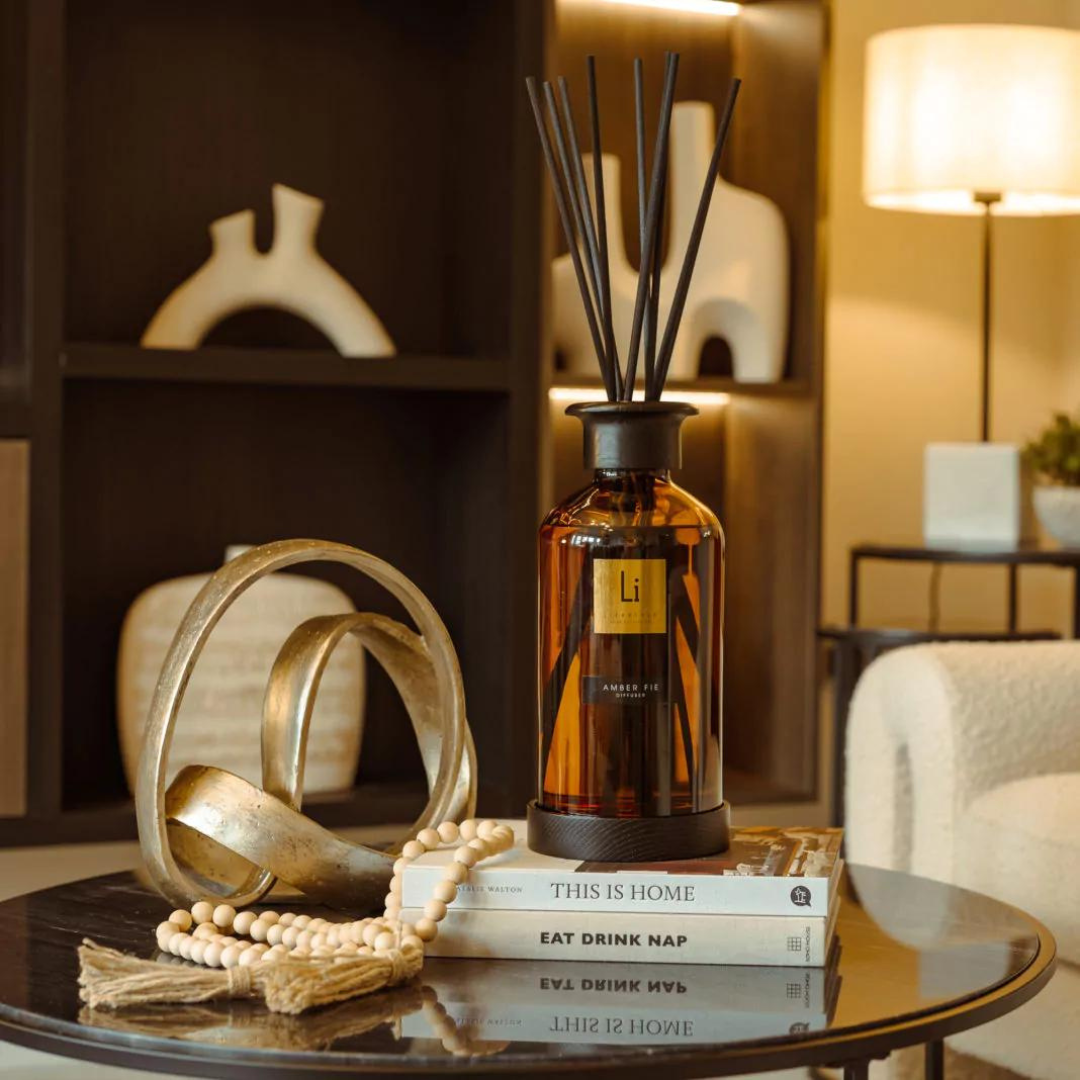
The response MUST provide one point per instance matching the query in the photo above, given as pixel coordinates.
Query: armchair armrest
(934, 726)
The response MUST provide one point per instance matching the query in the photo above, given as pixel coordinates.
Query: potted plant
(1054, 457)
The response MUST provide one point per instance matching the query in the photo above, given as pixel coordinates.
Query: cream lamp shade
(959, 117)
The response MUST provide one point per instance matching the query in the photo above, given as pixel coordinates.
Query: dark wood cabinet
(127, 127)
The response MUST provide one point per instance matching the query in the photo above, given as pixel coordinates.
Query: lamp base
(646, 839)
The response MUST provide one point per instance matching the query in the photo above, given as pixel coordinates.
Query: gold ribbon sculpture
(211, 828)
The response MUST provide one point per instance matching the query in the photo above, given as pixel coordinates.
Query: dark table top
(914, 961)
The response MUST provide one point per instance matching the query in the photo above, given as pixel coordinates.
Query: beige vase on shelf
(221, 717)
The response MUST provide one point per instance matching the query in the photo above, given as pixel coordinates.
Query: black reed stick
(568, 232)
(652, 315)
(584, 201)
(678, 301)
(639, 124)
(601, 224)
(658, 170)
(577, 211)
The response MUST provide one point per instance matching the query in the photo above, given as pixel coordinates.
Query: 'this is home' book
(765, 871)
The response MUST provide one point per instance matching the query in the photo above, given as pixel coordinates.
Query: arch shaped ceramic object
(739, 290)
(183, 830)
(292, 275)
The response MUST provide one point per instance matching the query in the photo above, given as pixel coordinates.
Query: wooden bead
(304, 939)
(227, 941)
(289, 936)
(445, 891)
(198, 949)
(224, 915)
(182, 919)
(486, 829)
(371, 932)
(505, 831)
(230, 957)
(212, 954)
(301, 922)
(317, 926)
(185, 946)
(333, 935)
(203, 911)
(273, 934)
(385, 941)
(467, 830)
(287, 918)
(174, 943)
(456, 872)
(435, 909)
(248, 957)
(391, 900)
(448, 832)
(167, 927)
(273, 956)
(395, 884)
(467, 856)
(348, 949)
(269, 917)
(400, 864)
(243, 922)
(258, 930)
(411, 941)
(163, 940)
(480, 847)
(318, 941)
(301, 954)
(429, 838)
(413, 850)
(207, 931)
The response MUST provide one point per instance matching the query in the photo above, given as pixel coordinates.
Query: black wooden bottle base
(607, 839)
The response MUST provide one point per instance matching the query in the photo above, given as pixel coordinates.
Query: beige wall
(902, 343)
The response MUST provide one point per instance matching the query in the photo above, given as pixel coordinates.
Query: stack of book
(770, 899)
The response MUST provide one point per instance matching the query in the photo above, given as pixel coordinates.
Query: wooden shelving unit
(126, 128)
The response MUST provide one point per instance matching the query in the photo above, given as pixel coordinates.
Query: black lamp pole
(987, 200)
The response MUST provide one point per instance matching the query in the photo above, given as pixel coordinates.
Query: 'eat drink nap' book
(765, 871)
(633, 937)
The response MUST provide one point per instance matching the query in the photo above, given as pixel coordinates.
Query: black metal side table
(855, 646)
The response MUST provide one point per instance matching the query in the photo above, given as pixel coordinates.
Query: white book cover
(774, 940)
(765, 871)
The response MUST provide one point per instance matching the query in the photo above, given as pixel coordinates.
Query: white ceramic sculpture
(221, 715)
(292, 275)
(739, 290)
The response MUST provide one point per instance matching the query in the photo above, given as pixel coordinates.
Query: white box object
(975, 493)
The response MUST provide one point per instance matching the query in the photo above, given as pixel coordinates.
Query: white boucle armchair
(963, 764)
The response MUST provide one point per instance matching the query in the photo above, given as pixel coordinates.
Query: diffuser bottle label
(630, 596)
(603, 690)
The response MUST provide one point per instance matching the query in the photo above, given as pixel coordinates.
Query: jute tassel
(112, 980)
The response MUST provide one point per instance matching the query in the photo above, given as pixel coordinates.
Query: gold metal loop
(422, 665)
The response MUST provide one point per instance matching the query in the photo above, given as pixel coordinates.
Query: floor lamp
(979, 120)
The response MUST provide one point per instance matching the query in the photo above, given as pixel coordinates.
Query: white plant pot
(1058, 510)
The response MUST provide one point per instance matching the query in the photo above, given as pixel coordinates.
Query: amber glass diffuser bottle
(632, 567)
(631, 631)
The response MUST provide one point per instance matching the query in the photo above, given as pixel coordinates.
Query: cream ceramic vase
(220, 720)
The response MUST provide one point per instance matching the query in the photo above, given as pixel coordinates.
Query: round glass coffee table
(913, 962)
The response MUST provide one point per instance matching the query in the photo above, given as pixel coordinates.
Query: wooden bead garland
(219, 937)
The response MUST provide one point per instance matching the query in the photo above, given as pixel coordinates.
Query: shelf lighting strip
(723, 8)
(571, 394)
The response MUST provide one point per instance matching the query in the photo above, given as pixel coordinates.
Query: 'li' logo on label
(630, 596)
